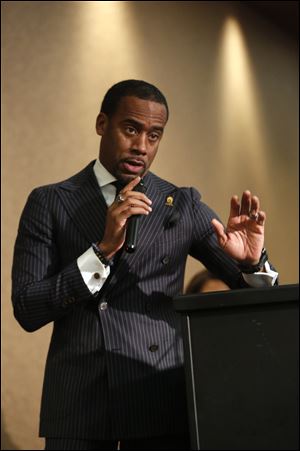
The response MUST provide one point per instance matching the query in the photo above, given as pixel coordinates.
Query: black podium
(241, 366)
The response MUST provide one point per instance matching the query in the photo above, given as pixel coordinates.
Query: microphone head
(130, 248)
(140, 187)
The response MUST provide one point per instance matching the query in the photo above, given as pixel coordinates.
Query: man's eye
(154, 137)
(130, 130)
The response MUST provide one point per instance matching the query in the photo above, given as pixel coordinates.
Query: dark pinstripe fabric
(116, 372)
(148, 443)
(80, 445)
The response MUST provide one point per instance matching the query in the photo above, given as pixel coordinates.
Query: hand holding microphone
(123, 219)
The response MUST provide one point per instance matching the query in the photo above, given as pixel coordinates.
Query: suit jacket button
(68, 301)
(165, 260)
(103, 305)
(153, 348)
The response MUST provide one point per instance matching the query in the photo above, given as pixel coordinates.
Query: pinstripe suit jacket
(118, 372)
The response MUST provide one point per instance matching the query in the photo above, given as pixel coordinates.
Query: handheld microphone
(133, 224)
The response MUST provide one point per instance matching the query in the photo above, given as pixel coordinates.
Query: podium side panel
(244, 386)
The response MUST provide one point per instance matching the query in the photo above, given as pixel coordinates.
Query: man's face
(130, 138)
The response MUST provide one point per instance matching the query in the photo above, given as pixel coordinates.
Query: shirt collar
(102, 175)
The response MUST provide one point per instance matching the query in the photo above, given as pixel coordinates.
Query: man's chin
(127, 178)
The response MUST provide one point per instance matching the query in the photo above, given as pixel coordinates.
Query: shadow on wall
(6, 441)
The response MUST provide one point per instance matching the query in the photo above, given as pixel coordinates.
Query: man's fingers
(261, 218)
(128, 193)
(220, 232)
(131, 185)
(234, 207)
(254, 205)
(129, 207)
(250, 204)
(246, 203)
(133, 201)
(134, 210)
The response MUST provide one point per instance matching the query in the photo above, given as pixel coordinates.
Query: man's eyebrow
(138, 124)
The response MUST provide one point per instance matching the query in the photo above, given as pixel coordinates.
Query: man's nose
(140, 143)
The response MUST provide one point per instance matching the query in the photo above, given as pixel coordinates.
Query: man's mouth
(133, 165)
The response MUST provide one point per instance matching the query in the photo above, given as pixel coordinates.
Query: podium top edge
(236, 298)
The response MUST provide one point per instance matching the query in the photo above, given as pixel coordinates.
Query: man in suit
(114, 370)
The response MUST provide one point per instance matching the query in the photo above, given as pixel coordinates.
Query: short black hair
(135, 88)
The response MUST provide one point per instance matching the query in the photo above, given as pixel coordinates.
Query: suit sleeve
(42, 291)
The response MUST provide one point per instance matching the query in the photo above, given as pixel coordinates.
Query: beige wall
(59, 58)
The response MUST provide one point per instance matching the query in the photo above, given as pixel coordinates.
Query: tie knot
(119, 185)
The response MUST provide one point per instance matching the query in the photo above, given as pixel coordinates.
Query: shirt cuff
(93, 272)
(261, 279)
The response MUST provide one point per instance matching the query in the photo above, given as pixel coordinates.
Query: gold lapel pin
(169, 201)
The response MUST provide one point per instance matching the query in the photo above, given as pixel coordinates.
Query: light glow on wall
(241, 124)
(108, 34)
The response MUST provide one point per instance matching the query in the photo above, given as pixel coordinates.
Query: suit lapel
(85, 204)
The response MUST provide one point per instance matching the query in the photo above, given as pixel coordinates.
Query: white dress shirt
(94, 273)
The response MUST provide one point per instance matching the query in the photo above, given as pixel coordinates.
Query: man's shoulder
(69, 183)
(166, 186)
(160, 183)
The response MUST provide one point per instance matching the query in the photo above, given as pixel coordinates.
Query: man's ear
(101, 123)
